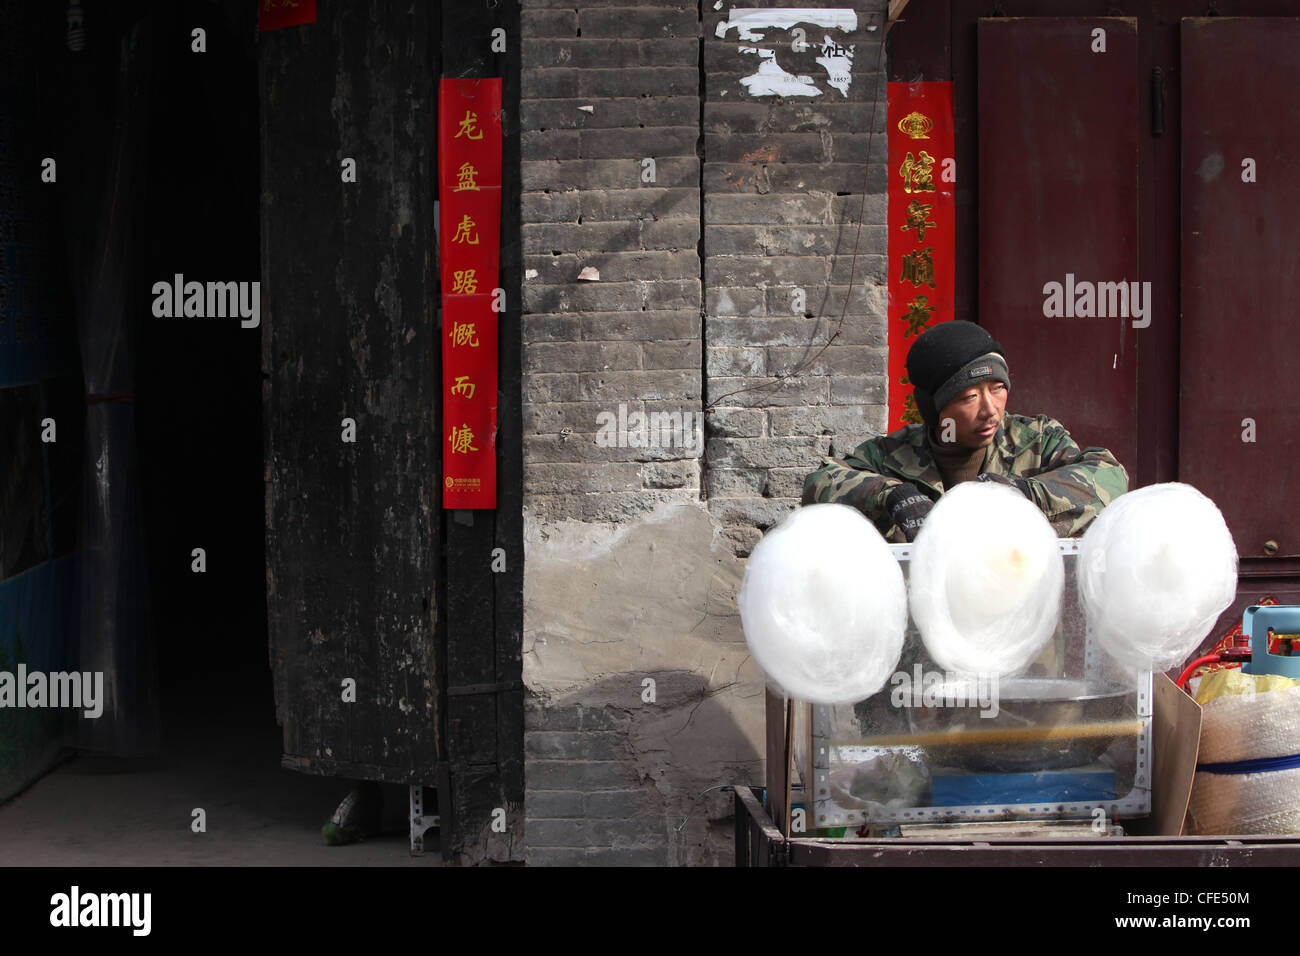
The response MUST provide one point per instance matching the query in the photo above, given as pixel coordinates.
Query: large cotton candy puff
(986, 580)
(823, 605)
(1156, 569)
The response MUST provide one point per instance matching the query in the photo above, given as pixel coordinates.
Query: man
(961, 384)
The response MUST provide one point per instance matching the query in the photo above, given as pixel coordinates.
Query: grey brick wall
(605, 87)
(783, 184)
(753, 198)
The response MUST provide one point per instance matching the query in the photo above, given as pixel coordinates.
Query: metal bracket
(419, 822)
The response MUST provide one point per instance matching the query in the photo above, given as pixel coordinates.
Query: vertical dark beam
(348, 331)
(484, 610)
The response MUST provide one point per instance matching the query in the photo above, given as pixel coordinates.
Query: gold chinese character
(464, 232)
(466, 178)
(462, 333)
(918, 173)
(916, 218)
(460, 440)
(917, 316)
(463, 282)
(463, 387)
(918, 268)
(467, 127)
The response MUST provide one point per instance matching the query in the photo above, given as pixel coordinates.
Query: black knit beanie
(948, 358)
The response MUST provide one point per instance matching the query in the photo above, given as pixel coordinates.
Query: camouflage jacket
(1070, 485)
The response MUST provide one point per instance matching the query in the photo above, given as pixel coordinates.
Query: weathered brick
(548, 23)
(735, 482)
(553, 804)
(622, 803)
(759, 239)
(537, 716)
(788, 482)
(592, 174)
(723, 117)
(865, 268)
(548, 327)
(598, 52)
(632, 833)
(581, 478)
(741, 539)
(791, 331)
(550, 144)
(854, 421)
(615, 266)
(822, 147)
(584, 296)
(646, 325)
(548, 388)
(670, 233)
(551, 418)
(836, 360)
(569, 833)
(612, 507)
(683, 473)
(582, 745)
(769, 176)
(615, 387)
(581, 356)
(670, 294)
(789, 452)
(805, 271)
(790, 391)
(683, 354)
(724, 422)
(636, 21)
(785, 208)
(858, 390)
(553, 83)
(866, 299)
(583, 447)
(732, 360)
(565, 237)
(644, 202)
(610, 112)
(761, 513)
(734, 300)
(550, 206)
(632, 81)
(658, 142)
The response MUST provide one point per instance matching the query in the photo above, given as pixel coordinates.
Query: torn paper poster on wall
(758, 26)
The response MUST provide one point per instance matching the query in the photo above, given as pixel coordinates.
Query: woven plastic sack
(1248, 727)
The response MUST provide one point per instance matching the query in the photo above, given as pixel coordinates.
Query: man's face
(971, 419)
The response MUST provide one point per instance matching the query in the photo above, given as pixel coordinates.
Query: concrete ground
(216, 756)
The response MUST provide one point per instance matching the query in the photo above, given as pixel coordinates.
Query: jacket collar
(913, 461)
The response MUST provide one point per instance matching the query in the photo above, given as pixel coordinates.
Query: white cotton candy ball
(986, 580)
(823, 605)
(1156, 569)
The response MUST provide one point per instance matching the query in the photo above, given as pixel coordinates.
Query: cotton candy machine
(1070, 735)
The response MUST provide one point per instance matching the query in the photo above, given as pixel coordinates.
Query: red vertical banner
(922, 219)
(469, 187)
(274, 14)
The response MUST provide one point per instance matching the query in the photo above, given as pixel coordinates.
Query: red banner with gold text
(469, 188)
(922, 237)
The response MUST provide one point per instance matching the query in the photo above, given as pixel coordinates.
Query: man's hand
(908, 508)
(1020, 484)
